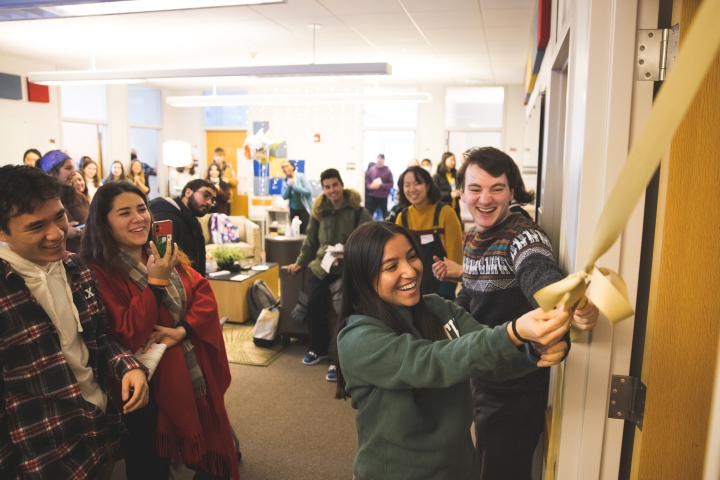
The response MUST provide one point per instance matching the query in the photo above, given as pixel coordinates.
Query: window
(84, 102)
(398, 146)
(480, 107)
(144, 105)
(230, 116)
(390, 114)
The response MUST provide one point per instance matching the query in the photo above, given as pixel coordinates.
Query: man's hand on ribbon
(586, 317)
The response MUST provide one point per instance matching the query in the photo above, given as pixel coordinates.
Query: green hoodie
(328, 226)
(413, 395)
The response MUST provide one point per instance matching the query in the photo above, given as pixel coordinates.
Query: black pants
(508, 425)
(304, 218)
(317, 317)
(141, 459)
(373, 203)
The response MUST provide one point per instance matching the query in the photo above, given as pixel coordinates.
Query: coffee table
(231, 295)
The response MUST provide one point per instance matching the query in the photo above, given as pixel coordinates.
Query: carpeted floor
(289, 423)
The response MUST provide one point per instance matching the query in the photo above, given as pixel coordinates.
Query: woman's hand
(446, 269)
(542, 328)
(162, 267)
(168, 336)
(550, 356)
(586, 318)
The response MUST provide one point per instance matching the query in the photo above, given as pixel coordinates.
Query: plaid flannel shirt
(47, 429)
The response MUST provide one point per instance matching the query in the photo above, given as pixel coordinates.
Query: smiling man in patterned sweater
(57, 420)
(506, 259)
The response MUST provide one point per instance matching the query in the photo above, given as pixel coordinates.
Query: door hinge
(656, 52)
(627, 399)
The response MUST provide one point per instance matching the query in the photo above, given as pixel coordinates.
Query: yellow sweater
(452, 238)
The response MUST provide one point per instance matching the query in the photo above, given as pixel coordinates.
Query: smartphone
(162, 235)
(80, 227)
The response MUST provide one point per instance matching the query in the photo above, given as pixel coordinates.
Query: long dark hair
(192, 167)
(421, 175)
(111, 176)
(442, 168)
(98, 245)
(361, 267)
(69, 197)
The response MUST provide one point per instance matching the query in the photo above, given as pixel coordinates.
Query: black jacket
(445, 192)
(186, 229)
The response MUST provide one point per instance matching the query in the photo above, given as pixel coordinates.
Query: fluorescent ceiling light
(133, 76)
(91, 82)
(296, 99)
(78, 8)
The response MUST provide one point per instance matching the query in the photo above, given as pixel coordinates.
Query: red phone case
(162, 235)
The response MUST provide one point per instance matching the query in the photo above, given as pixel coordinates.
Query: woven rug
(241, 349)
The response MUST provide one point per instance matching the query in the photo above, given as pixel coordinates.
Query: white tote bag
(266, 327)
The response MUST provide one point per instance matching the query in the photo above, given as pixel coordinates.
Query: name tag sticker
(427, 238)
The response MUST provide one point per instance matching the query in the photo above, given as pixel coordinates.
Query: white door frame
(605, 108)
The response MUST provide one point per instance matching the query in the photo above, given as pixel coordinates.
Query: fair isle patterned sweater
(502, 268)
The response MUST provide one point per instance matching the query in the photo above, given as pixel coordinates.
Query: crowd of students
(420, 364)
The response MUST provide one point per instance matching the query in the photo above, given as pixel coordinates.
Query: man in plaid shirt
(57, 420)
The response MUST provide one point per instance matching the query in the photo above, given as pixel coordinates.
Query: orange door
(681, 344)
(229, 141)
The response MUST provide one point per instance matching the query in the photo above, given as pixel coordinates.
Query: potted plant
(225, 257)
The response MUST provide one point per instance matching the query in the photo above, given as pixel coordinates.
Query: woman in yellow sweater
(434, 224)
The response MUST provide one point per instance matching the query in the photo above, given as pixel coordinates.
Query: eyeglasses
(207, 196)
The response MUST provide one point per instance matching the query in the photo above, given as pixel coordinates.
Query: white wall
(40, 121)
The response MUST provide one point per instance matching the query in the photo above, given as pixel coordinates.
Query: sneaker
(311, 358)
(331, 375)
(223, 320)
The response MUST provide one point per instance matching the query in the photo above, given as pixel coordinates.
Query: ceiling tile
(435, 6)
(452, 35)
(489, 4)
(447, 19)
(345, 7)
(388, 21)
(509, 17)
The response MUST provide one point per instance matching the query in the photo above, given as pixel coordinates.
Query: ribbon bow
(697, 52)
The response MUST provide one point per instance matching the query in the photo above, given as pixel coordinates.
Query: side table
(281, 249)
(231, 295)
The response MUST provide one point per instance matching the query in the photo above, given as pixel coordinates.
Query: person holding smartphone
(158, 298)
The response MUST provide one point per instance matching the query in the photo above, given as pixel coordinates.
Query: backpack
(259, 297)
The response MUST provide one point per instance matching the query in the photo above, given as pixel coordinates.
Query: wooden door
(229, 141)
(681, 343)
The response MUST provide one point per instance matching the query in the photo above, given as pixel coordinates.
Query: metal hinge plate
(627, 399)
(656, 52)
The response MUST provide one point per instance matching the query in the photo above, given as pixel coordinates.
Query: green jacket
(328, 226)
(404, 432)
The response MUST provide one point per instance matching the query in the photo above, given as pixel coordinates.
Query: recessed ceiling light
(314, 26)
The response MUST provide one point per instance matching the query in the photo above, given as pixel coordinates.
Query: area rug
(241, 349)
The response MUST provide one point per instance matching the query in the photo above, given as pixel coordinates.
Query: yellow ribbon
(697, 51)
